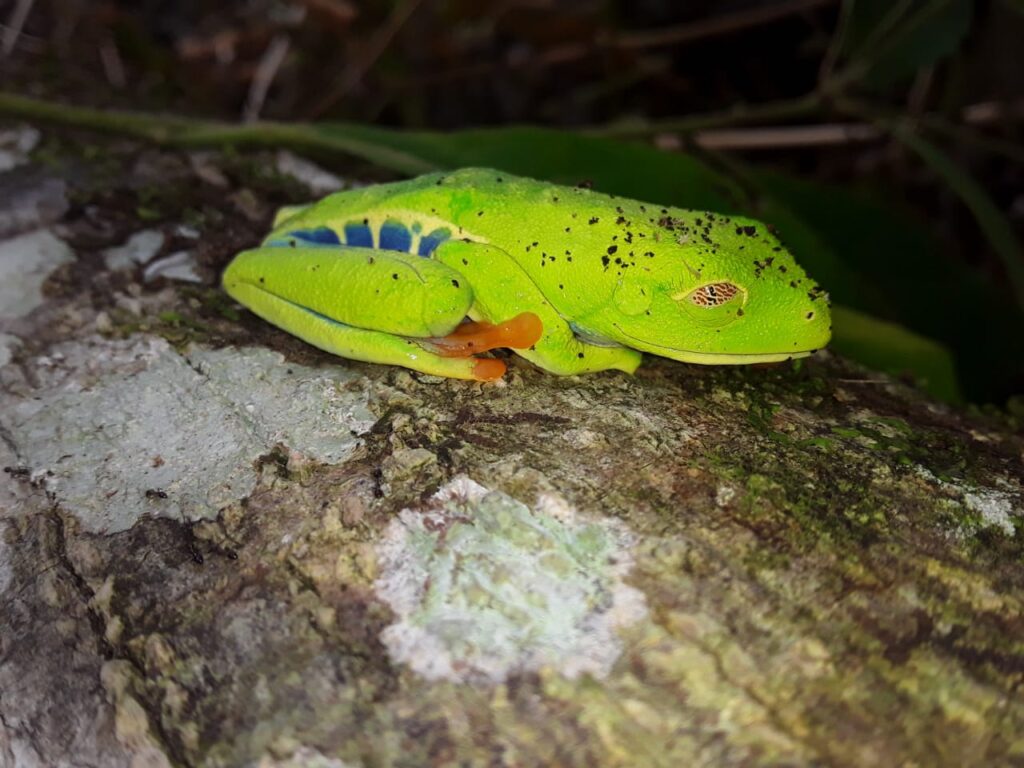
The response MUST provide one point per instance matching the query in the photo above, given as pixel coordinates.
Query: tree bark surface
(221, 547)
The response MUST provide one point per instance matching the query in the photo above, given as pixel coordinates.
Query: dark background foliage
(881, 137)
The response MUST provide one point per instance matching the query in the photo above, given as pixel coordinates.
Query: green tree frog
(433, 272)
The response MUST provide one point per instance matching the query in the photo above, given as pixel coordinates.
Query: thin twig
(783, 137)
(341, 12)
(838, 42)
(112, 64)
(769, 111)
(987, 112)
(717, 25)
(980, 114)
(269, 64)
(374, 50)
(14, 26)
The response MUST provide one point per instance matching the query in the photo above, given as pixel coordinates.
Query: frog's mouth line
(713, 358)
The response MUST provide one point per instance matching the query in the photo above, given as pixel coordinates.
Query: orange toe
(488, 369)
(521, 332)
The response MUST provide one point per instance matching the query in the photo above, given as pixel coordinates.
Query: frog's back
(409, 216)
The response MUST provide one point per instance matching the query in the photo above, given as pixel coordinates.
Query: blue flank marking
(394, 236)
(318, 236)
(429, 243)
(359, 235)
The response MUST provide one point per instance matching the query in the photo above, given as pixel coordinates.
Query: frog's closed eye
(713, 304)
(712, 294)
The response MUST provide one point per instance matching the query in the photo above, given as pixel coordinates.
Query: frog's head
(718, 291)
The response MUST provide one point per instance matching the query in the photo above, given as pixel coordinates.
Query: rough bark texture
(804, 564)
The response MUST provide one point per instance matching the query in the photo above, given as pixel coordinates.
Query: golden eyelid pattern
(713, 294)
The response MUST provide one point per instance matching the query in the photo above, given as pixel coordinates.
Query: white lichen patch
(30, 200)
(8, 345)
(483, 586)
(118, 429)
(6, 573)
(25, 263)
(994, 507)
(303, 757)
(15, 146)
(316, 179)
(180, 266)
(136, 250)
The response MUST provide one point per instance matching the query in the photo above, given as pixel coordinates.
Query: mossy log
(220, 547)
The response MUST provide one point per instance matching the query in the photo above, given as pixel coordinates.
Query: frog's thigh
(299, 307)
(362, 344)
(501, 289)
(397, 293)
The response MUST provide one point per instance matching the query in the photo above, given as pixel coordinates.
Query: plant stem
(769, 111)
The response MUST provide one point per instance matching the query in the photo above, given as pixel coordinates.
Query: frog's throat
(713, 358)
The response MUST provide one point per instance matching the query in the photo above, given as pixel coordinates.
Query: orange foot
(488, 369)
(471, 338)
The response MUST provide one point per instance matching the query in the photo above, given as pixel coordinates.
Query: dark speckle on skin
(593, 220)
(394, 275)
(455, 283)
(605, 260)
(612, 249)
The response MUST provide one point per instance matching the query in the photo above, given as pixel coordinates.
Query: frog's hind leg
(498, 280)
(326, 296)
(361, 344)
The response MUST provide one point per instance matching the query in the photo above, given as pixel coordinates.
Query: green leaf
(874, 255)
(891, 348)
(889, 40)
(621, 168)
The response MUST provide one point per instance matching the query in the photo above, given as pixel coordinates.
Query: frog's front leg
(371, 305)
(501, 288)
